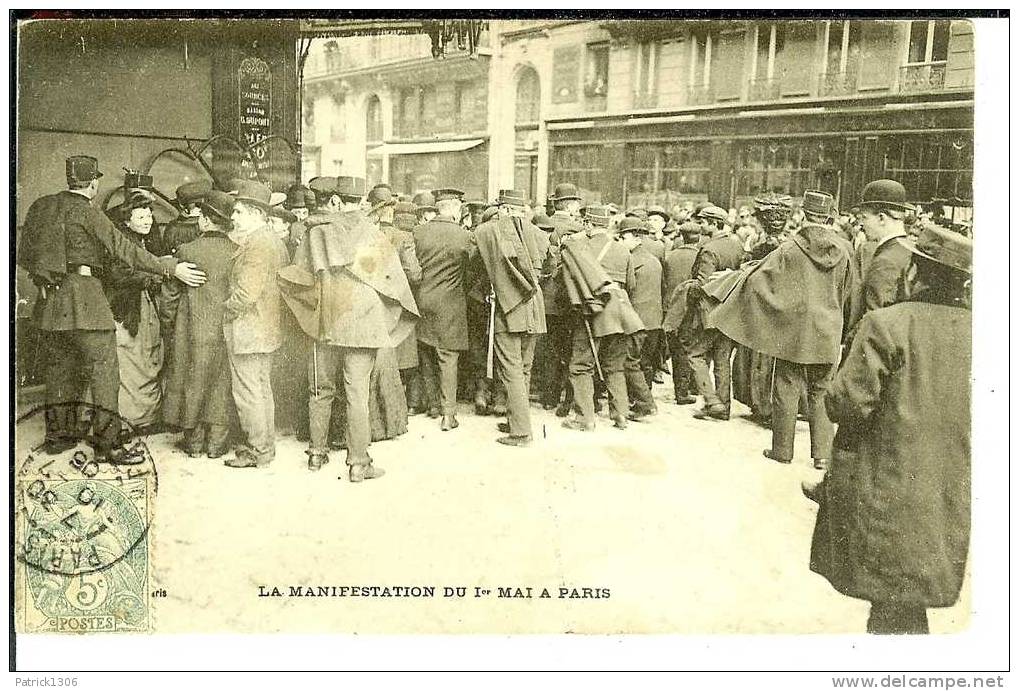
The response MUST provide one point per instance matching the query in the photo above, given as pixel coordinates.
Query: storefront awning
(396, 149)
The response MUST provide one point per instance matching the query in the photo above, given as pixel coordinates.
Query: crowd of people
(335, 311)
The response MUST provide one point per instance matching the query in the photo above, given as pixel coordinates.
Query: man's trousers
(790, 380)
(638, 387)
(329, 365)
(514, 355)
(439, 371)
(710, 348)
(612, 358)
(250, 379)
(79, 360)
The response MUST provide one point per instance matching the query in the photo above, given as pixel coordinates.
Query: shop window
(374, 120)
(596, 79)
(528, 97)
(668, 174)
(939, 169)
(580, 165)
(783, 167)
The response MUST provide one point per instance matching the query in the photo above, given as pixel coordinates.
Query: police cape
(346, 285)
(792, 304)
(593, 294)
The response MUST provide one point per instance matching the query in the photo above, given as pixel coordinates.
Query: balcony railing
(700, 94)
(645, 100)
(929, 76)
(836, 84)
(764, 90)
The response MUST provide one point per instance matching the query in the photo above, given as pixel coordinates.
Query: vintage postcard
(583, 324)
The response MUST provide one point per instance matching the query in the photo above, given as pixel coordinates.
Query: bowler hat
(218, 204)
(885, 194)
(300, 197)
(251, 192)
(475, 205)
(565, 191)
(543, 222)
(380, 196)
(637, 212)
(425, 201)
(655, 210)
(598, 215)
(192, 192)
(350, 188)
(444, 193)
(81, 169)
(632, 224)
(946, 247)
(323, 187)
(511, 197)
(818, 203)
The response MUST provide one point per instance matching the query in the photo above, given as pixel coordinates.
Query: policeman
(425, 203)
(184, 228)
(65, 245)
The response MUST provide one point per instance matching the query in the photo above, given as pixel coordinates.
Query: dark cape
(791, 305)
(593, 294)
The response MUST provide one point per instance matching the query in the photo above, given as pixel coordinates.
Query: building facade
(642, 111)
(382, 107)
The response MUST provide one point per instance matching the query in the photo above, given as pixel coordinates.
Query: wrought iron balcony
(836, 84)
(700, 94)
(929, 76)
(764, 90)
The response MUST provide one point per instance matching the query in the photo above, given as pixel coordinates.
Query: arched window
(374, 120)
(528, 97)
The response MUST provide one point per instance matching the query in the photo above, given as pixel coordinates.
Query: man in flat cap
(677, 270)
(65, 246)
(184, 228)
(708, 350)
(643, 351)
(424, 203)
(444, 248)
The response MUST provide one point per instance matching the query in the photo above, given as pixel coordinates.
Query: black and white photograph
(579, 324)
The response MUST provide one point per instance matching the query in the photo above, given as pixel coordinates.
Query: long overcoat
(444, 249)
(894, 520)
(198, 375)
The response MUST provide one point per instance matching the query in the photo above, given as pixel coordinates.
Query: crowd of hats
(934, 243)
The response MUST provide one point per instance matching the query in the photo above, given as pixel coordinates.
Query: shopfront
(729, 157)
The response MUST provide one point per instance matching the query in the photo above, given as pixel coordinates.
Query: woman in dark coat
(894, 518)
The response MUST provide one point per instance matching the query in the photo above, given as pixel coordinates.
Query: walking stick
(490, 362)
(314, 364)
(594, 351)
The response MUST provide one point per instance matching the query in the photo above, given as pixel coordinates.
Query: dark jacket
(791, 305)
(654, 247)
(884, 277)
(63, 230)
(514, 254)
(444, 249)
(403, 242)
(197, 379)
(594, 287)
(676, 270)
(556, 302)
(647, 290)
(894, 520)
(124, 286)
